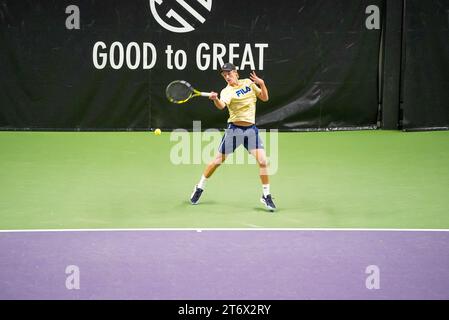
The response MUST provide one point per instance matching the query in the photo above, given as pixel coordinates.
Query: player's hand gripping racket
(181, 91)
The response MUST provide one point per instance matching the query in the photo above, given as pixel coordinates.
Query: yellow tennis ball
(157, 132)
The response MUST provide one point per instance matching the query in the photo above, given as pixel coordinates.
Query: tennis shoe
(196, 194)
(268, 202)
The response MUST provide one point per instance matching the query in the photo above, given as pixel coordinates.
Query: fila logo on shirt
(243, 91)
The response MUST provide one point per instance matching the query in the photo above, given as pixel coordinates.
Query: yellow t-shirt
(241, 101)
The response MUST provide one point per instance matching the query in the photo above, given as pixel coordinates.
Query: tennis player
(240, 97)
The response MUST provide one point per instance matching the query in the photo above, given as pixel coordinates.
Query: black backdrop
(425, 91)
(321, 64)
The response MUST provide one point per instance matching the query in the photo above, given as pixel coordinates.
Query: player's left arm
(263, 94)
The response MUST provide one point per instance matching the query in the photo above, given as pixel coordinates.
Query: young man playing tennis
(240, 98)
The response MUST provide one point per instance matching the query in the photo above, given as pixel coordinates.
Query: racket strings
(178, 91)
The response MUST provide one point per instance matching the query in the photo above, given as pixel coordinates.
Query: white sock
(202, 183)
(266, 189)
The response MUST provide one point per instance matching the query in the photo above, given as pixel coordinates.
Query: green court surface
(352, 179)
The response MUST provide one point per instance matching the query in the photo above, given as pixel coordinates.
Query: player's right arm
(217, 102)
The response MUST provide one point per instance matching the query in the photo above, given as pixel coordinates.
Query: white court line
(222, 229)
(252, 225)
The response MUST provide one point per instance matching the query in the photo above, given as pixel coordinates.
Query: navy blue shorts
(236, 135)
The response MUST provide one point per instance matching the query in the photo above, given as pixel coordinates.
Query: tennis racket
(181, 91)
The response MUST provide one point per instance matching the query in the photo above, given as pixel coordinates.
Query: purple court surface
(224, 265)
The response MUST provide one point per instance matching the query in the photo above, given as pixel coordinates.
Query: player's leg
(210, 169)
(261, 159)
(214, 164)
(254, 144)
(226, 147)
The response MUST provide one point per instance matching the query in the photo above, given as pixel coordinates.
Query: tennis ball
(157, 132)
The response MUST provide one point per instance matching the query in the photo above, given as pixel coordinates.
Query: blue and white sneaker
(268, 202)
(196, 194)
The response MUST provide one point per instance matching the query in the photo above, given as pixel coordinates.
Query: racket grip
(205, 94)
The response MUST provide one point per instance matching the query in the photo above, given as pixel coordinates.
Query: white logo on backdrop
(172, 14)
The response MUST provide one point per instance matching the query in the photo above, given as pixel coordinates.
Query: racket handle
(205, 94)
